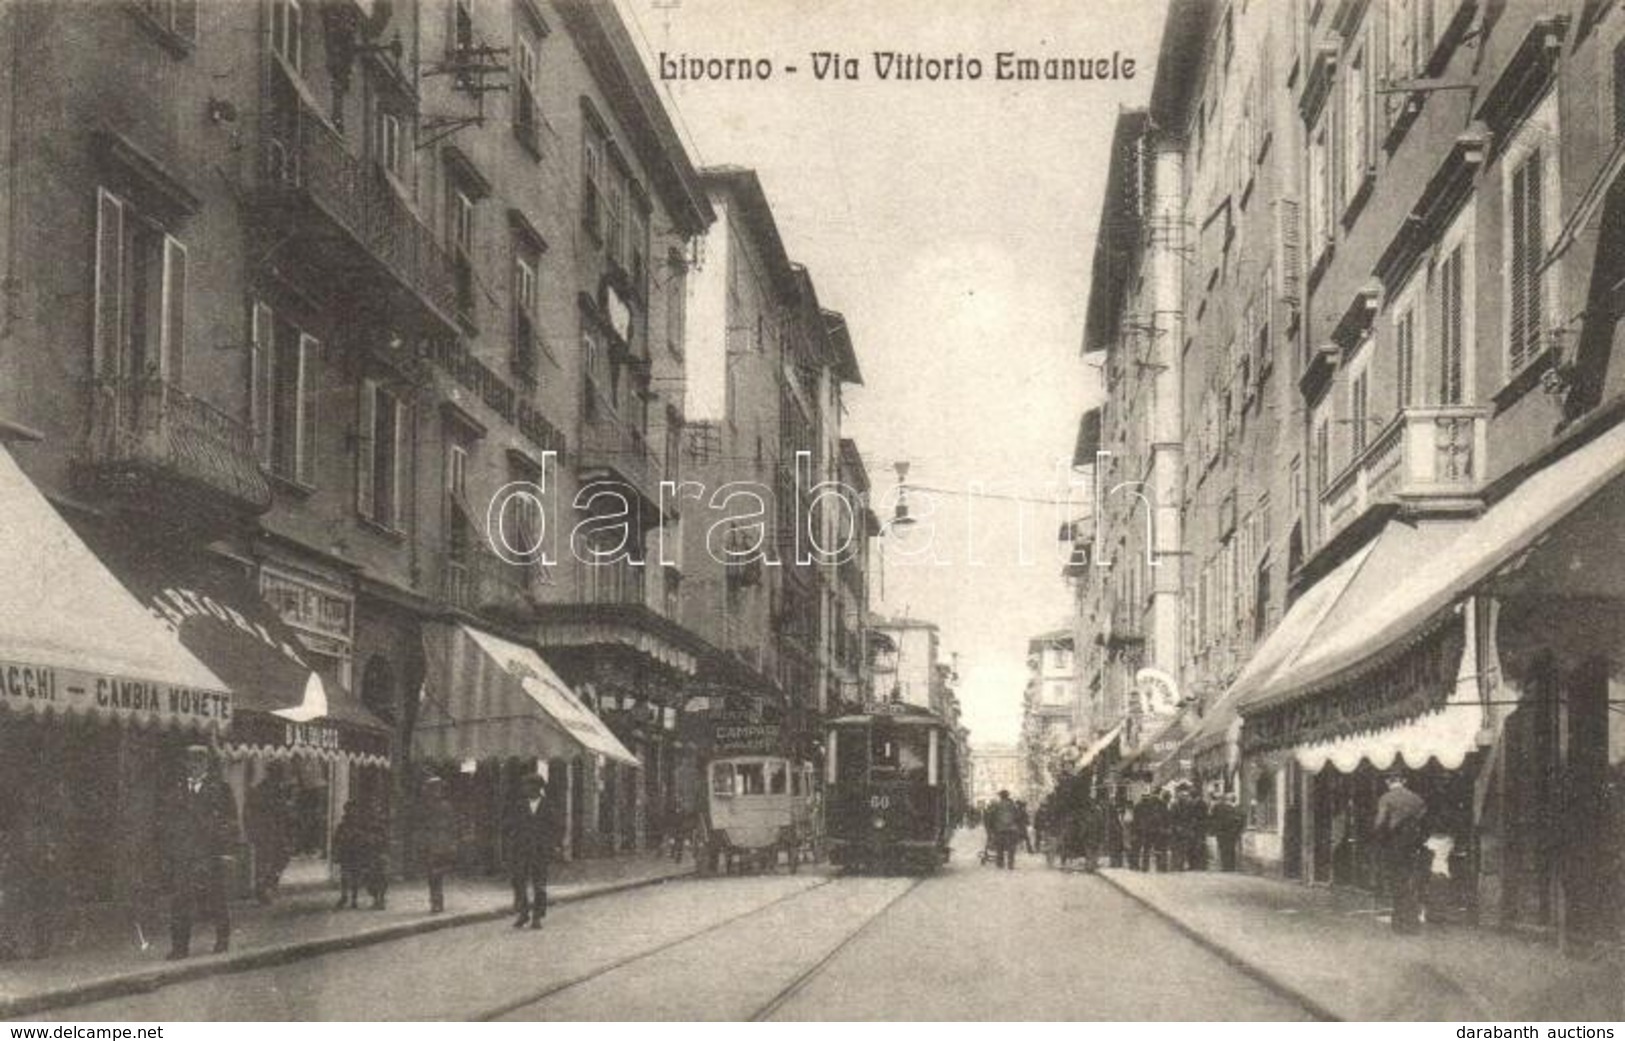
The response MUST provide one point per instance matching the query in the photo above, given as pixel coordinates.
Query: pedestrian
(200, 832)
(1004, 824)
(1163, 846)
(1226, 824)
(529, 837)
(349, 850)
(267, 817)
(1400, 834)
(1150, 816)
(375, 854)
(1117, 821)
(1025, 823)
(437, 832)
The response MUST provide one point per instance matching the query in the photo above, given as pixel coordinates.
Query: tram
(893, 795)
(757, 806)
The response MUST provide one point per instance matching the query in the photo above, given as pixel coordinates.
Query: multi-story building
(1049, 704)
(1399, 206)
(995, 769)
(904, 655)
(850, 611)
(294, 293)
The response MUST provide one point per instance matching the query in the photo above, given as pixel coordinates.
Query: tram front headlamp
(879, 822)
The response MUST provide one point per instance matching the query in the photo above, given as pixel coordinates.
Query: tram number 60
(879, 802)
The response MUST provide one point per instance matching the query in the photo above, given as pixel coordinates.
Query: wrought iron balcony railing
(306, 160)
(1428, 458)
(478, 581)
(147, 437)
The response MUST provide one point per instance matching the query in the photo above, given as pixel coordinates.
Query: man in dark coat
(438, 834)
(1400, 834)
(1150, 824)
(529, 841)
(199, 835)
(1004, 825)
(1224, 820)
(267, 816)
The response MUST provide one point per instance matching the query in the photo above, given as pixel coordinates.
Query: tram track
(764, 1011)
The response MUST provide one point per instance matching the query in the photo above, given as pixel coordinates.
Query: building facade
(1404, 209)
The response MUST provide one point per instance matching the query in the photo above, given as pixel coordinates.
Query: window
(638, 245)
(525, 263)
(388, 142)
(592, 180)
(525, 115)
(1359, 147)
(1405, 358)
(286, 33)
(1320, 218)
(1450, 328)
(177, 17)
(140, 318)
(1619, 90)
(460, 520)
(460, 228)
(722, 778)
(1323, 455)
(676, 302)
(380, 455)
(1525, 263)
(286, 381)
(1359, 410)
(1261, 803)
(615, 216)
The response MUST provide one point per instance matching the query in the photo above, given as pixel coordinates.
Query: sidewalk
(298, 925)
(1332, 950)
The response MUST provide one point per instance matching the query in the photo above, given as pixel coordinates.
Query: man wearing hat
(529, 835)
(438, 824)
(1399, 832)
(199, 834)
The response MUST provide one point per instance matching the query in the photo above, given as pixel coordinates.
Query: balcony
(353, 222)
(152, 442)
(480, 582)
(612, 451)
(1126, 628)
(1428, 459)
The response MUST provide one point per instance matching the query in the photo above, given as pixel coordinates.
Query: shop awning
(1430, 584)
(284, 705)
(1105, 741)
(484, 697)
(1158, 748)
(72, 639)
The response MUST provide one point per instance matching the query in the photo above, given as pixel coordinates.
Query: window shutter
(172, 343)
(1450, 376)
(397, 458)
(1534, 255)
(1405, 348)
(1519, 265)
(366, 460)
(261, 352)
(309, 382)
(186, 19)
(1286, 235)
(108, 336)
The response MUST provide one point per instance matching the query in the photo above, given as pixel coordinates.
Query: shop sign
(40, 688)
(314, 736)
(745, 738)
(1419, 681)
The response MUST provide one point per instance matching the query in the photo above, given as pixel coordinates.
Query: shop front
(300, 747)
(1488, 670)
(491, 711)
(97, 701)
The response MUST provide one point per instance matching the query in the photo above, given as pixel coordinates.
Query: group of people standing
(1162, 830)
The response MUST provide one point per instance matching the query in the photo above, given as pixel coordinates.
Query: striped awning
(484, 697)
(74, 642)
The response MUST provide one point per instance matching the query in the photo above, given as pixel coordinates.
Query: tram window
(851, 760)
(901, 753)
(752, 781)
(776, 779)
(722, 779)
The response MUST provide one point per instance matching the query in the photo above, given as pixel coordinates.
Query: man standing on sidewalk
(1400, 813)
(200, 831)
(1226, 823)
(1004, 824)
(529, 834)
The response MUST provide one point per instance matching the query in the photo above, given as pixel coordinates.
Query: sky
(952, 223)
